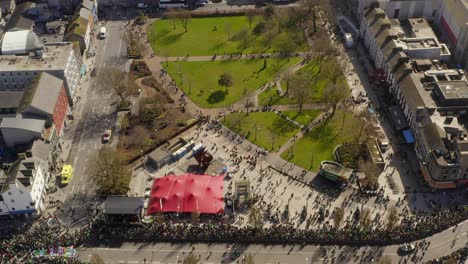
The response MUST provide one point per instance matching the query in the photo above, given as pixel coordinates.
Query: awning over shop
(409, 138)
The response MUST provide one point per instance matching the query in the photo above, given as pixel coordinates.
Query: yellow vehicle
(67, 172)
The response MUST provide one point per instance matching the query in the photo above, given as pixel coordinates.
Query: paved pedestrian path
(155, 63)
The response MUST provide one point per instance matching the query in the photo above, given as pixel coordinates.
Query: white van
(103, 32)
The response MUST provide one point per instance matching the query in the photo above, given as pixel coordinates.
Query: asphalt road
(158, 253)
(96, 113)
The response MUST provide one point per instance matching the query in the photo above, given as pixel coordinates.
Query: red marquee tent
(186, 194)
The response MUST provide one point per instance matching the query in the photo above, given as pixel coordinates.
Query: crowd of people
(459, 256)
(426, 226)
(21, 248)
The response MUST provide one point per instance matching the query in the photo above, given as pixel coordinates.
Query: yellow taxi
(67, 172)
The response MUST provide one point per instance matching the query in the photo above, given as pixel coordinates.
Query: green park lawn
(304, 117)
(199, 79)
(271, 130)
(321, 80)
(318, 144)
(209, 36)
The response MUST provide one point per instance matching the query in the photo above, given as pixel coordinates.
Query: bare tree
(333, 95)
(273, 135)
(371, 171)
(280, 17)
(299, 88)
(117, 80)
(392, 218)
(243, 36)
(248, 103)
(269, 34)
(333, 71)
(228, 30)
(338, 216)
(165, 54)
(184, 16)
(109, 173)
(134, 47)
(124, 123)
(171, 14)
(269, 12)
(311, 7)
(323, 48)
(256, 217)
(364, 219)
(225, 80)
(250, 14)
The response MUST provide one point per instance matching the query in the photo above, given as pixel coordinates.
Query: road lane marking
(73, 188)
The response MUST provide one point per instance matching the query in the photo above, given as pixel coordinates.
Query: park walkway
(155, 64)
(233, 57)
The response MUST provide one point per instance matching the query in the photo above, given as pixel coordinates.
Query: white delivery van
(103, 32)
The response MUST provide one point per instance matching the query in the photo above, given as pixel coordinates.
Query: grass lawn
(264, 123)
(304, 117)
(209, 36)
(318, 144)
(200, 78)
(271, 97)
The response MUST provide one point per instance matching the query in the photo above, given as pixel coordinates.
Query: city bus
(67, 173)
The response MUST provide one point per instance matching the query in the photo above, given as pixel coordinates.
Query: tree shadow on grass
(163, 33)
(170, 39)
(282, 126)
(216, 97)
(219, 45)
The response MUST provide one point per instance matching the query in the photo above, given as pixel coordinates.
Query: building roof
(18, 21)
(18, 122)
(46, 92)
(10, 99)
(454, 89)
(77, 26)
(123, 205)
(88, 4)
(85, 13)
(433, 135)
(20, 42)
(55, 58)
(5, 4)
(411, 89)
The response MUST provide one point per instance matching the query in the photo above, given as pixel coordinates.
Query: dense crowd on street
(20, 248)
(425, 226)
(459, 256)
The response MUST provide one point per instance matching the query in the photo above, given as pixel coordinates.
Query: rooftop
(123, 205)
(454, 89)
(10, 99)
(18, 122)
(45, 92)
(55, 58)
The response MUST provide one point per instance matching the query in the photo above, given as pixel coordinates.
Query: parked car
(406, 249)
(106, 137)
